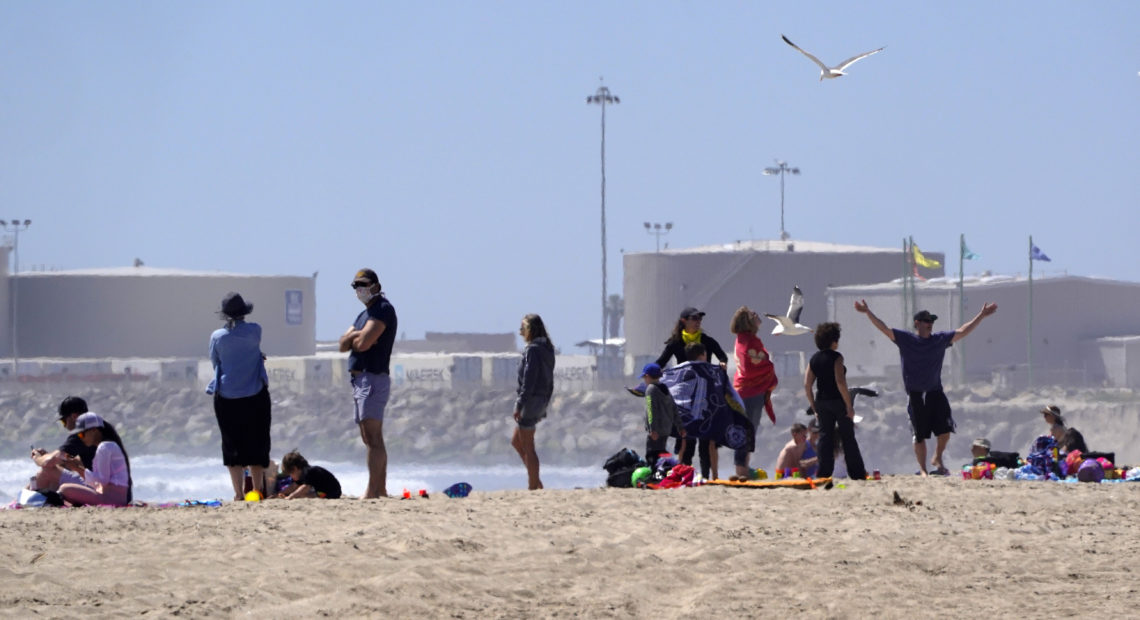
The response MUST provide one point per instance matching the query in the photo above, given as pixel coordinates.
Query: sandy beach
(944, 547)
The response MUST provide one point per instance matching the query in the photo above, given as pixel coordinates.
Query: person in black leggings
(687, 331)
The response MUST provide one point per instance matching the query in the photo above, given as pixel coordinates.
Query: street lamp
(657, 230)
(603, 98)
(781, 170)
(14, 227)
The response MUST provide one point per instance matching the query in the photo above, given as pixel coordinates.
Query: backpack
(624, 459)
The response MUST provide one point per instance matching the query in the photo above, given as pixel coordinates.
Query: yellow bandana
(690, 338)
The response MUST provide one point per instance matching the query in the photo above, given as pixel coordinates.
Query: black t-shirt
(375, 359)
(322, 481)
(823, 366)
(75, 447)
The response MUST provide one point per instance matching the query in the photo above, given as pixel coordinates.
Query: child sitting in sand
(308, 480)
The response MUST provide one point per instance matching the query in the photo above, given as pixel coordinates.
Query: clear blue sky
(449, 144)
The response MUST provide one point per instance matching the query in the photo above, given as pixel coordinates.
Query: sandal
(941, 471)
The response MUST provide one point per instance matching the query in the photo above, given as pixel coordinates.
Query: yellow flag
(922, 260)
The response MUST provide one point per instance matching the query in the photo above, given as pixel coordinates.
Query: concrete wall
(1069, 313)
(658, 285)
(140, 312)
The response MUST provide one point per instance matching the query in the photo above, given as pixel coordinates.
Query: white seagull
(789, 325)
(836, 71)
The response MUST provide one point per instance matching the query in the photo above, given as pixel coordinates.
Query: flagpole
(1029, 346)
(961, 352)
(906, 281)
(913, 292)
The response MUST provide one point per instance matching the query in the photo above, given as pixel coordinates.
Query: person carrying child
(661, 419)
(308, 480)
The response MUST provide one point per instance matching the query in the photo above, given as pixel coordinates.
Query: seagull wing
(862, 391)
(795, 304)
(854, 59)
(782, 323)
(822, 66)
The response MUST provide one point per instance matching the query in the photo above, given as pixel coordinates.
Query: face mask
(364, 294)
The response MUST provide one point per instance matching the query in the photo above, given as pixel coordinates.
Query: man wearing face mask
(369, 343)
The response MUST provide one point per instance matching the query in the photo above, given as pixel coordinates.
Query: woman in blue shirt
(241, 394)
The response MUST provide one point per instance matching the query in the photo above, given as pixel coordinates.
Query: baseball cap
(87, 422)
(651, 369)
(925, 316)
(70, 405)
(691, 313)
(367, 276)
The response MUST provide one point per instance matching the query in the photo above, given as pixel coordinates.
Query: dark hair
(72, 404)
(1073, 440)
(675, 335)
(535, 327)
(294, 460)
(110, 434)
(741, 322)
(798, 428)
(825, 334)
(695, 350)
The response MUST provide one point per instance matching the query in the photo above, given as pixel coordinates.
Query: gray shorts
(370, 395)
(532, 412)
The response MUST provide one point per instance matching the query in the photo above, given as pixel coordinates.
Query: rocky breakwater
(432, 425)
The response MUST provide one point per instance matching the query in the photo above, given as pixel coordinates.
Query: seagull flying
(789, 324)
(836, 71)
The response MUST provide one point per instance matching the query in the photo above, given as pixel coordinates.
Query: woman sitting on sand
(108, 482)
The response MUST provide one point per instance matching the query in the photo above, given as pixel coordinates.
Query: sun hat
(87, 422)
(234, 306)
(981, 442)
(1054, 411)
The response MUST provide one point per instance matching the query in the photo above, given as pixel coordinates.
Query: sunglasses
(80, 434)
(360, 285)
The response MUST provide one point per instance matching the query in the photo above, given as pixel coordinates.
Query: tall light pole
(781, 170)
(14, 227)
(657, 230)
(603, 97)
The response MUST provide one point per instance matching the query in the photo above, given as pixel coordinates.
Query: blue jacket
(536, 372)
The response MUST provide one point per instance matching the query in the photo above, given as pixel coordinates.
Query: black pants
(833, 418)
(701, 446)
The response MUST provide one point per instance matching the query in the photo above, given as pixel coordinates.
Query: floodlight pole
(656, 229)
(781, 170)
(15, 227)
(603, 97)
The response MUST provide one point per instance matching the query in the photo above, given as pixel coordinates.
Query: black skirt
(244, 423)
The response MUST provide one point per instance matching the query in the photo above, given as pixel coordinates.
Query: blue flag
(1035, 253)
(966, 253)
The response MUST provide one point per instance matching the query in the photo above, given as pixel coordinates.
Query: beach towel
(708, 406)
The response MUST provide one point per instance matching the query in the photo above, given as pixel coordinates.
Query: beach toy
(640, 476)
(759, 474)
(253, 496)
(423, 493)
(1090, 471)
(457, 490)
(407, 495)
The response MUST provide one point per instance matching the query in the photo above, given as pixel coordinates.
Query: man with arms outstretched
(921, 354)
(369, 342)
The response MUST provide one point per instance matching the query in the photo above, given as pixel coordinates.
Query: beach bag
(1072, 463)
(1003, 459)
(622, 478)
(624, 459)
